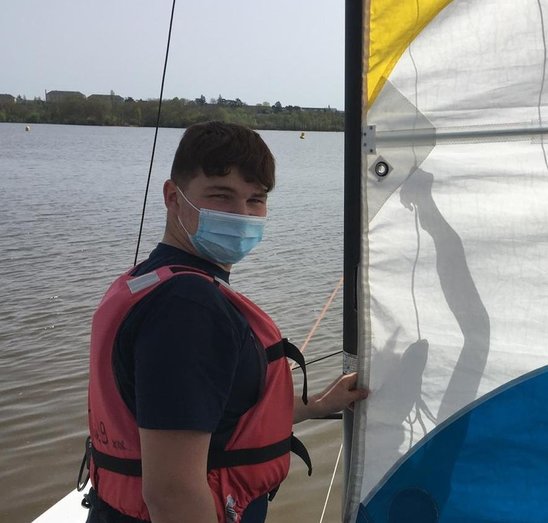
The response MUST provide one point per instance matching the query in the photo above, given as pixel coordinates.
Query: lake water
(70, 206)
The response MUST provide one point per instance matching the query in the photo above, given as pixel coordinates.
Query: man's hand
(339, 395)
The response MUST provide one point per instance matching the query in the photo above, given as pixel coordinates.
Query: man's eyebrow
(262, 194)
(225, 188)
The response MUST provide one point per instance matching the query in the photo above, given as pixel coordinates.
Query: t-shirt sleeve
(186, 355)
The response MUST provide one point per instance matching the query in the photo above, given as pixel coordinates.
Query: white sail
(453, 270)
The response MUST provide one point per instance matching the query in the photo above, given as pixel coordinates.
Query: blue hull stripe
(487, 463)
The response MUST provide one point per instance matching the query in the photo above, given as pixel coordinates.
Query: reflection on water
(71, 202)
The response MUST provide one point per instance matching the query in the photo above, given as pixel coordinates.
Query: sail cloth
(453, 334)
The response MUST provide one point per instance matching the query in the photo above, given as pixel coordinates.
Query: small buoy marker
(27, 127)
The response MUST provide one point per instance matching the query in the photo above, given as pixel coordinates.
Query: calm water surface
(70, 206)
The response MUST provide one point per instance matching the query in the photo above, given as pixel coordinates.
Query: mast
(352, 193)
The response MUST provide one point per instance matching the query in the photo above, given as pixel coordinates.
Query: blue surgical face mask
(224, 237)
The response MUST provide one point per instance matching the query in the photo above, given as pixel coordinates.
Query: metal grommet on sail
(381, 168)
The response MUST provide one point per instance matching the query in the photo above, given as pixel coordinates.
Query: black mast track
(352, 169)
(354, 12)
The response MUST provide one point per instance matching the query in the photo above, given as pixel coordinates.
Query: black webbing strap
(287, 349)
(233, 458)
(128, 467)
(216, 458)
(275, 352)
(229, 458)
(298, 448)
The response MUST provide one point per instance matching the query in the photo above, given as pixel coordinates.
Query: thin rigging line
(322, 314)
(543, 80)
(331, 483)
(416, 85)
(303, 347)
(308, 363)
(155, 134)
(415, 166)
(330, 299)
(319, 319)
(413, 273)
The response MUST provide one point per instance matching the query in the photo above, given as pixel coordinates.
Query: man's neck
(170, 239)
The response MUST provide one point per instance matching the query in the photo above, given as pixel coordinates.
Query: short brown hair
(215, 147)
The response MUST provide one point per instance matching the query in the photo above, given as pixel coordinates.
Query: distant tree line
(177, 112)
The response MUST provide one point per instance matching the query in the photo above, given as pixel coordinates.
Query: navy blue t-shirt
(185, 358)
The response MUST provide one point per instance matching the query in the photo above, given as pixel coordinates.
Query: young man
(191, 400)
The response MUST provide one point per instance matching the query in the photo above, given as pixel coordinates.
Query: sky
(290, 51)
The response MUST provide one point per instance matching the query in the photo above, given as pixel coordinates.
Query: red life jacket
(256, 459)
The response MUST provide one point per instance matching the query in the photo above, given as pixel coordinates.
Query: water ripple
(63, 243)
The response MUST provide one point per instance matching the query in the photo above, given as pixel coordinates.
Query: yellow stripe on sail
(393, 25)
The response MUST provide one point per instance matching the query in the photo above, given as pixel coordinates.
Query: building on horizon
(58, 96)
(105, 98)
(7, 99)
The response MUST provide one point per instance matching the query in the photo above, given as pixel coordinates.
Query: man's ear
(170, 196)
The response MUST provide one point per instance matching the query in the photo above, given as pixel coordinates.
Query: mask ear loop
(184, 228)
(187, 200)
(179, 219)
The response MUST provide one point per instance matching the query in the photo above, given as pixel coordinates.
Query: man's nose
(241, 207)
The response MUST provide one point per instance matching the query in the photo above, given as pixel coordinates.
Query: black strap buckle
(81, 483)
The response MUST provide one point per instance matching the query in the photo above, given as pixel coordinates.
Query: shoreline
(175, 113)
